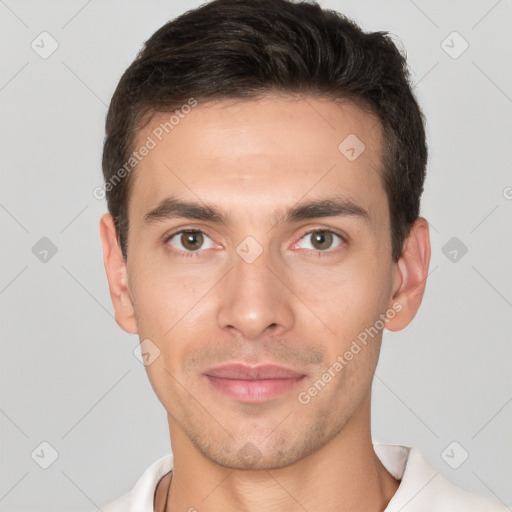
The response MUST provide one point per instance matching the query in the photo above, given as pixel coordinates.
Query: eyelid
(344, 238)
(179, 231)
(176, 231)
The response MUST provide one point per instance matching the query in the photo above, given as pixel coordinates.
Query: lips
(252, 384)
(243, 372)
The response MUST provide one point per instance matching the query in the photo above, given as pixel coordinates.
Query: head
(288, 144)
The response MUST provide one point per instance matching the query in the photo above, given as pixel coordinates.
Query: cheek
(164, 297)
(347, 299)
(172, 311)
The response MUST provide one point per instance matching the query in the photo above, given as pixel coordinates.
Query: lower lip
(254, 391)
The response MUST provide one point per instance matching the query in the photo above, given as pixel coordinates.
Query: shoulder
(424, 489)
(141, 497)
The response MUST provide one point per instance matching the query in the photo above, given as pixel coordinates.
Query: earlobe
(410, 275)
(117, 275)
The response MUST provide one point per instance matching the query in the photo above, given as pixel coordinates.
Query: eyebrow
(172, 207)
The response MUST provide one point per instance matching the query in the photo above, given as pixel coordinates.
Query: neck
(344, 475)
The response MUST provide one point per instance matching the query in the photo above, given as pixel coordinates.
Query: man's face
(256, 288)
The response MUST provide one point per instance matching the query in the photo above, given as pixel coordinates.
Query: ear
(117, 275)
(410, 276)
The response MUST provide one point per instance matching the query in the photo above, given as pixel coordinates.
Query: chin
(260, 455)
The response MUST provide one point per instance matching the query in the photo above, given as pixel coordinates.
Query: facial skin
(300, 304)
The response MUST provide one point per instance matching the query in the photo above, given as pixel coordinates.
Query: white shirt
(422, 488)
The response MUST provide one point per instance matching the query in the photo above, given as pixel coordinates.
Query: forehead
(268, 153)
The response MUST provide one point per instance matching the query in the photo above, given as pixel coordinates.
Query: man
(264, 162)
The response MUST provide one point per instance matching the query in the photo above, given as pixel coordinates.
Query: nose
(254, 299)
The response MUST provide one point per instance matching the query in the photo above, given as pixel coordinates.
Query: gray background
(68, 374)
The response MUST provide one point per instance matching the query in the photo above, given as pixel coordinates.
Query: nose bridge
(253, 298)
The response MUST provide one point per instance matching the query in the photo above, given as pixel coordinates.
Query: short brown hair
(243, 48)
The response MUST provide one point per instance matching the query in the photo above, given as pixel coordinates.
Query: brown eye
(190, 241)
(321, 240)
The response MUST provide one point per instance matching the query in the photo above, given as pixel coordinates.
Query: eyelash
(318, 253)
(183, 254)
